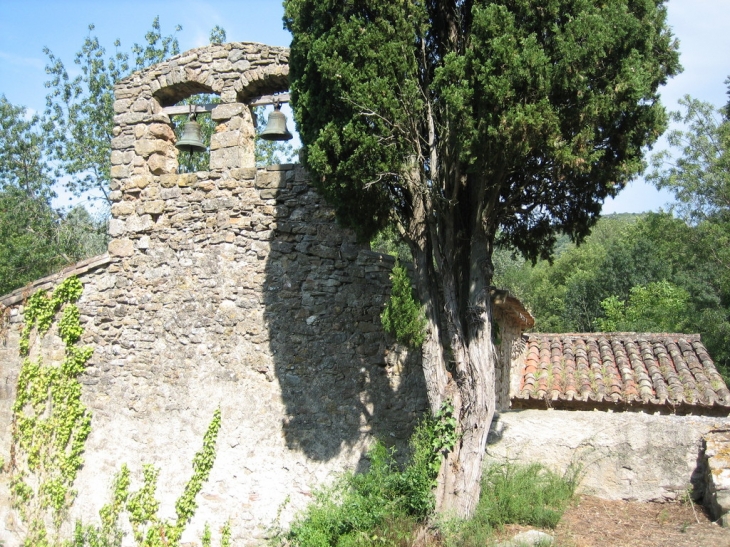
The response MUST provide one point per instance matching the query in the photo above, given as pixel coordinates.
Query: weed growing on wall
(403, 317)
(50, 423)
(141, 506)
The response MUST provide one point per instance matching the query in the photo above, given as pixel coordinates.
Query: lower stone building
(644, 416)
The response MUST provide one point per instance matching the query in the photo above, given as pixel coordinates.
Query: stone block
(245, 173)
(227, 111)
(169, 180)
(117, 157)
(116, 226)
(119, 171)
(155, 207)
(138, 223)
(268, 193)
(160, 164)
(146, 147)
(122, 142)
(121, 105)
(121, 247)
(122, 209)
(140, 105)
(225, 139)
(162, 131)
(271, 179)
(186, 180)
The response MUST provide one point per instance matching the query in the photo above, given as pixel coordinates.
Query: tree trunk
(459, 326)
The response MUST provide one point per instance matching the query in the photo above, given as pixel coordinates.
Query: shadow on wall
(340, 382)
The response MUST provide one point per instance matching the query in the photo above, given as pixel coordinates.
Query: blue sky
(26, 26)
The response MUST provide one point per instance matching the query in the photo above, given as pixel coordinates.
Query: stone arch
(144, 139)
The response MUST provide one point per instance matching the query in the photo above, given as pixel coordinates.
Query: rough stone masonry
(231, 288)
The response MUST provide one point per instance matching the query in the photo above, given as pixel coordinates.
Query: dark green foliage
(655, 307)
(350, 65)
(403, 316)
(548, 107)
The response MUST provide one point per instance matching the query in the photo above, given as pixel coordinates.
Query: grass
(393, 505)
(515, 494)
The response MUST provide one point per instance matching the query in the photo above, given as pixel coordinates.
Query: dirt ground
(594, 522)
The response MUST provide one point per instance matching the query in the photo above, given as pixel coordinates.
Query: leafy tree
(23, 163)
(464, 123)
(697, 171)
(80, 110)
(656, 307)
(700, 176)
(34, 238)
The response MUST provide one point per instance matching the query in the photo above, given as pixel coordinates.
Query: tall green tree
(696, 169)
(464, 122)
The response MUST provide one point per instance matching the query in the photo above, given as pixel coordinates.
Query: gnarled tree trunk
(458, 355)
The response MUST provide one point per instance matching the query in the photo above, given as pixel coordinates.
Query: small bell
(275, 129)
(190, 140)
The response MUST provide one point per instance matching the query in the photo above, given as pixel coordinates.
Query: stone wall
(626, 455)
(231, 288)
(242, 294)
(717, 474)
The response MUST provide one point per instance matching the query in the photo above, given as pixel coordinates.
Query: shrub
(514, 494)
(382, 506)
(403, 316)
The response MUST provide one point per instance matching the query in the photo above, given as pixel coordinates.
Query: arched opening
(200, 108)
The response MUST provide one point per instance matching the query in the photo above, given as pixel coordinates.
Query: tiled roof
(671, 372)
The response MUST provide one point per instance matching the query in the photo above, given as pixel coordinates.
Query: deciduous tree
(80, 110)
(460, 120)
(35, 239)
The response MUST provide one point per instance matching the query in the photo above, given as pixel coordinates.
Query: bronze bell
(275, 129)
(190, 140)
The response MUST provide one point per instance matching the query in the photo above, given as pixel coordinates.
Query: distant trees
(645, 273)
(35, 239)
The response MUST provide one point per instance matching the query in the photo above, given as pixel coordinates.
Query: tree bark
(458, 355)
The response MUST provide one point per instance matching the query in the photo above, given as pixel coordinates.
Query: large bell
(276, 126)
(190, 140)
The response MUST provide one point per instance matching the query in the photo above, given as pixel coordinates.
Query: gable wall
(232, 288)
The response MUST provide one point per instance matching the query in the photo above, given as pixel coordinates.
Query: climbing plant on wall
(141, 506)
(50, 422)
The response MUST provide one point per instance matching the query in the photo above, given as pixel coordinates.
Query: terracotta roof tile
(627, 369)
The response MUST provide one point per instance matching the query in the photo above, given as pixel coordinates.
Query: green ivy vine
(50, 428)
(141, 506)
(445, 434)
(50, 423)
